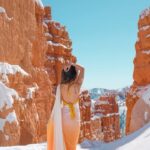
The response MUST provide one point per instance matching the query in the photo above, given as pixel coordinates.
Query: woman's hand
(80, 74)
(66, 65)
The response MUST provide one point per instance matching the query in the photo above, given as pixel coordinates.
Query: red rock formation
(138, 107)
(104, 123)
(32, 40)
(85, 114)
(59, 46)
(96, 128)
(107, 108)
(90, 124)
(142, 59)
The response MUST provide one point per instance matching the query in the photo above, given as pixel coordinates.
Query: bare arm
(80, 74)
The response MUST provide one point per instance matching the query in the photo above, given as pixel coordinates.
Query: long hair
(67, 77)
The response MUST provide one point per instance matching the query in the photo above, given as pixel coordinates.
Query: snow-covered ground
(139, 140)
(41, 146)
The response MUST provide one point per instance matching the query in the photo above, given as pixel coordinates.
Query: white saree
(55, 125)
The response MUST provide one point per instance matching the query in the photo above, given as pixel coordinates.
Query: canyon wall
(33, 49)
(138, 98)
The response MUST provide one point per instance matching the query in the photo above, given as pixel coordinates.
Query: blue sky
(103, 33)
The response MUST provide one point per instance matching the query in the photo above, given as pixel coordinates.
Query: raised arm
(80, 74)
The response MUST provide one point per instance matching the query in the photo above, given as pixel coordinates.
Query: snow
(40, 146)
(95, 93)
(145, 13)
(31, 90)
(39, 2)
(11, 117)
(6, 68)
(57, 44)
(45, 25)
(92, 105)
(146, 52)
(47, 21)
(140, 140)
(112, 114)
(96, 117)
(2, 123)
(47, 34)
(122, 112)
(61, 59)
(145, 27)
(100, 102)
(50, 58)
(5, 78)
(6, 96)
(6, 99)
(100, 115)
(2, 10)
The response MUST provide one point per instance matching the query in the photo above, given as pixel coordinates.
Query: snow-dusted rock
(33, 48)
(2, 10)
(138, 98)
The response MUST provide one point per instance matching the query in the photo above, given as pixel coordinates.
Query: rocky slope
(138, 98)
(33, 48)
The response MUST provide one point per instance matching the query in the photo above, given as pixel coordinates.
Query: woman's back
(70, 94)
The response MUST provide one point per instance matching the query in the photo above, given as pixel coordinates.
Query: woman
(63, 135)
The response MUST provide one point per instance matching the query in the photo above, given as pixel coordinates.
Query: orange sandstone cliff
(138, 99)
(33, 48)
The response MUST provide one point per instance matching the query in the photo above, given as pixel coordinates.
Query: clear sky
(103, 33)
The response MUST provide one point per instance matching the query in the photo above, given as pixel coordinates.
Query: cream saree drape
(55, 140)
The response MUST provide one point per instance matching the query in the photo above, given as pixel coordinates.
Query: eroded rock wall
(138, 106)
(101, 122)
(33, 49)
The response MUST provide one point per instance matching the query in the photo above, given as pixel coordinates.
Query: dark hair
(68, 76)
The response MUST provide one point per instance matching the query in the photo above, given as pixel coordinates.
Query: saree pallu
(55, 139)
